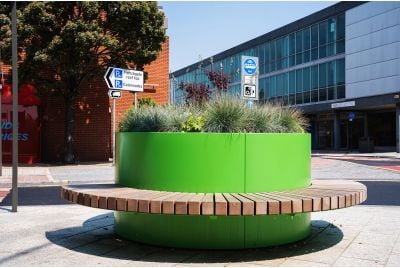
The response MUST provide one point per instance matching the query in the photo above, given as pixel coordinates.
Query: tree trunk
(69, 157)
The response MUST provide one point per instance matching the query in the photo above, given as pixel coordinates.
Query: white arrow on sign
(124, 79)
(115, 94)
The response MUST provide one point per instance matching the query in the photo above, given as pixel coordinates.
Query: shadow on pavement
(28, 196)
(96, 237)
(382, 193)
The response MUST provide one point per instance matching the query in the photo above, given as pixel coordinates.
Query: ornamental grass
(224, 114)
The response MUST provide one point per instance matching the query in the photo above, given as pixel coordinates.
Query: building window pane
(292, 43)
(323, 32)
(331, 73)
(340, 47)
(331, 30)
(299, 41)
(322, 94)
(292, 60)
(340, 26)
(299, 98)
(331, 49)
(341, 92)
(314, 36)
(299, 58)
(314, 54)
(292, 82)
(340, 72)
(306, 79)
(322, 75)
(314, 77)
(331, 93)
(306, 56)
(285, 46)
(273, 86)
(292, 99)
(299, 80)
(322, 52)
(306, 39)
(306, 97)
(314, 96)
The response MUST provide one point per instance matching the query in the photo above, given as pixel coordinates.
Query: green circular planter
(210, 163)
(212, 232)
(213, 162)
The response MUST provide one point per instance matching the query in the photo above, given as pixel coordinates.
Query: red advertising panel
(29, 125)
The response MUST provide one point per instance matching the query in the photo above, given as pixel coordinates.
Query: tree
(63, 44)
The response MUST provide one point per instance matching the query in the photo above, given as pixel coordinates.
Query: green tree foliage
(67, 43)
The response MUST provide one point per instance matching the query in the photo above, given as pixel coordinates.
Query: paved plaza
(48, 231)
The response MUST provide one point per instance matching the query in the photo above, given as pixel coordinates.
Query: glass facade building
(337, 62)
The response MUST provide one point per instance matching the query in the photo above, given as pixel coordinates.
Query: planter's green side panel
(271, 230)
(281, 162)
(212, 232)
(187, 162)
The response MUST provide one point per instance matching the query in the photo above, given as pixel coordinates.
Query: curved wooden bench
(321, 195)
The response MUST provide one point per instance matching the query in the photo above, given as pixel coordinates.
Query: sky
(198, 30)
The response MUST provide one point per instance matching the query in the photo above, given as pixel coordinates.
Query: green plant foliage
(193, 123)
(175, 117)
(225, 114)
(147, 101)
(147, 119)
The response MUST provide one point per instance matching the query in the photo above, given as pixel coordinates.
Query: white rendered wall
(373, 49)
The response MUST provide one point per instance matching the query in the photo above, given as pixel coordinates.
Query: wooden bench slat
(234, 205)
(307, 202)
(273, 206)
(260, 204)
(195, 204)
(182, 204)
(207, 204)
(156, 202)
(168, 203)
(247, 204)
(285, 206)
(221, 205)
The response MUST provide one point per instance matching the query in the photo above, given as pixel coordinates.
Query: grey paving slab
(394, 260)
(370, 252)
(354, 262)
(301, 263)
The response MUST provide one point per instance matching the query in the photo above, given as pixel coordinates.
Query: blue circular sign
(250, 66)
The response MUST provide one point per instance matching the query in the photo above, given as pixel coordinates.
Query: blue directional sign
(250, 66)
(124, 79)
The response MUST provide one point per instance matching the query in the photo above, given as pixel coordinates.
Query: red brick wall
(158, 73)
(93, 114)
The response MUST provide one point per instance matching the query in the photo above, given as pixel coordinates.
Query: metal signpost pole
(135, 100)
(15, 108)
(113, 131)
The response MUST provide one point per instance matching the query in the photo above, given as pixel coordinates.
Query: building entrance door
(325, 134)
(351, 132)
